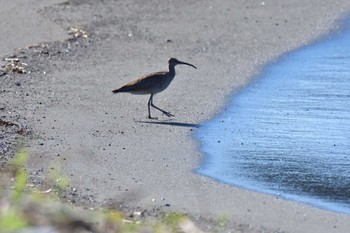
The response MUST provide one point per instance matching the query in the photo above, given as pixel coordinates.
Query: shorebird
(152, 84)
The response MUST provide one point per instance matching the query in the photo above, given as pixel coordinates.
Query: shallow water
(288, 133)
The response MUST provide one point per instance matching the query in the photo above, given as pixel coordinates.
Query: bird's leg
(168, 114)
(149, 107)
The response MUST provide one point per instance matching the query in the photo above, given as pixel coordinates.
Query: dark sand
(104, 143)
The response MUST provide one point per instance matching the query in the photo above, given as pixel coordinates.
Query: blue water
(288, 133)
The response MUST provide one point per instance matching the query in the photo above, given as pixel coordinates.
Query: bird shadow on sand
(171, 123)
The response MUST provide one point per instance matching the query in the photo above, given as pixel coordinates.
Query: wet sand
(112, 154)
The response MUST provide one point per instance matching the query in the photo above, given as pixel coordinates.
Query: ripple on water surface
(288, 133)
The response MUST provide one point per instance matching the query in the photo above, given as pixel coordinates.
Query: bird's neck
(172, 69)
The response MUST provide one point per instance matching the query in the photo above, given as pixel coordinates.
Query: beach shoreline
(104, 143)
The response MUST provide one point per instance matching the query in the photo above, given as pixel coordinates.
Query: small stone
(137, 213)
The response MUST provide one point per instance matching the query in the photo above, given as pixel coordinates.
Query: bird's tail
(125, 88)
(116, 91)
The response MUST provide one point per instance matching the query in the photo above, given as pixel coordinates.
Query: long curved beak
(185, 63)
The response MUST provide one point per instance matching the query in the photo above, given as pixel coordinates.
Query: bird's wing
(147, 81)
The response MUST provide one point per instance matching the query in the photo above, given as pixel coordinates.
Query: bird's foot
(168, 114)
(152, 118)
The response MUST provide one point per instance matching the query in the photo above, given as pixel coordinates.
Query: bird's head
(173, 62)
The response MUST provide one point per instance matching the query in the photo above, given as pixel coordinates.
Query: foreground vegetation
(25, 209)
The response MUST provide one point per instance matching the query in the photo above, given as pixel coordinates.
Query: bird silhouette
(152, 84)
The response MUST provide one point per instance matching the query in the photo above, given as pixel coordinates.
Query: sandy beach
(115, 156)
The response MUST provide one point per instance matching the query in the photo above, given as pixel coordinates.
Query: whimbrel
(152, 84)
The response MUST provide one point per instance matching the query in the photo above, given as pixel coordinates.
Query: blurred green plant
(57, 179)
(24, 207)
(173, 220)
(21, 175)
(11, 221)
(10, 218)
(221, 223)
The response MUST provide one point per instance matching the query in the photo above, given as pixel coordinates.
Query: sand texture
(111, 152)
